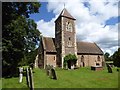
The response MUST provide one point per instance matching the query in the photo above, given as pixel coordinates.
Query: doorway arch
(82, 61)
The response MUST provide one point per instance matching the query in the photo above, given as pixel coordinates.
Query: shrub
(70, 57)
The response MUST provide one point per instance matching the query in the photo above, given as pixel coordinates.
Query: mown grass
(79, 78)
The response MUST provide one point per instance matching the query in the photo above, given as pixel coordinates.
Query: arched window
(67, 23)
(68, 26)
(98, 58)
(54, 58)
(82, 58)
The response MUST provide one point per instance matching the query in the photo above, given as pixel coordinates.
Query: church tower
(65, 36)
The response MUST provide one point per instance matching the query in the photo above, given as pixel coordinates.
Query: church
(52, 51)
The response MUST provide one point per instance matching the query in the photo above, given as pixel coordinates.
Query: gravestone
(48, 67)
(109, 68)
(20, 74)
(47, 72)
(27, 77)
(31, 79)
(31, 65)
(53, 74)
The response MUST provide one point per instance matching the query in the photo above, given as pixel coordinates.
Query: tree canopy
(107, 56)
(116, 58)
(19, 33)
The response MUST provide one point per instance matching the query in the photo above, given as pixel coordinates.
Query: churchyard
(78, 78)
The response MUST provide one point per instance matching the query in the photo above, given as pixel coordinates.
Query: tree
(28, 58)
(116, 58)
(107, 56)
(19, 33)
(71, 58)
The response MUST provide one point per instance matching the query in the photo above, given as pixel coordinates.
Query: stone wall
(58, 41)
(51, 59)
(90, 60)
(69, 37)
(41, 55)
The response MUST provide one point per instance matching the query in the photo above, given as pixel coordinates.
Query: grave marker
(20, 74)
(53, 74)
(109, 68)
(31, 79)
(47, 70)
(27, 77)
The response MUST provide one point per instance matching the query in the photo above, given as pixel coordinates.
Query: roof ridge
(98, 47)
(85, 42)
(88, 47)
(65, 13)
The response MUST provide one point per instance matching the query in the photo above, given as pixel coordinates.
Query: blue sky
(98, 19)
(43, 13)
(113, 20)
(47, 16)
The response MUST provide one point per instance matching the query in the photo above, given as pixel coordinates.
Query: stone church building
(53, 50)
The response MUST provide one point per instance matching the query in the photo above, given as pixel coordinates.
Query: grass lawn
(79, 78)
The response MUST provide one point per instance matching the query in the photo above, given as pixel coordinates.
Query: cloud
(90, 21)
(46, 28)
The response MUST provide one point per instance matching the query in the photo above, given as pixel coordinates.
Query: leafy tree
(28, 58)
(70, 57)
(116, 58)
(107, 56)
(19, 33)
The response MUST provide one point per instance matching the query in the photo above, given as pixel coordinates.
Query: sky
(96, 20)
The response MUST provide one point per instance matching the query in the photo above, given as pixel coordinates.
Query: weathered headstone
(109, 68)
(31, 65)
(31, 79)
(47, 72)
(20, 74)
(27, 77)
(50, 72)
(53, 74)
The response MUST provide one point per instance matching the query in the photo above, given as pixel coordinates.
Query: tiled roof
(82, 47)
(49, 44)
(65, 13)
(88, 48)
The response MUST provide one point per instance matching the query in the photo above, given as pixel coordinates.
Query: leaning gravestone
(47, 70)
(27, 77)
(109, 68)
(31, 79)
(53, 74)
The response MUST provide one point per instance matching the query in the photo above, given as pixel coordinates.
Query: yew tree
(19, 33)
